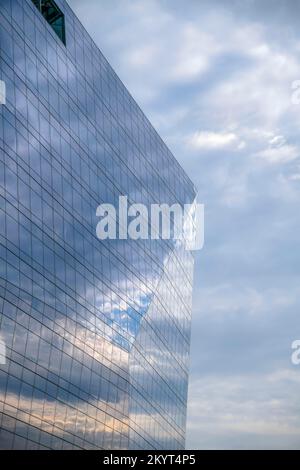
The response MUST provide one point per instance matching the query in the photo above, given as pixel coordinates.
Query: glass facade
(96, 333)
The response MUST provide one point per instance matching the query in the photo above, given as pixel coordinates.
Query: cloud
(193, 53)
(255, 412)
(214, 140)
(278, 151)
(187, 59)
(154, 47)
(142, 56)
(282, 154)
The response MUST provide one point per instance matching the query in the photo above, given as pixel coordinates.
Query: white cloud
(171, 52)
(215, 140)
(276, 155)
(231, 299)
(255, 411)
(142, 56)
(193, 52)
(277, 141)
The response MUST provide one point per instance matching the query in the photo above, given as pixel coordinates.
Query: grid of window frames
(97, 333)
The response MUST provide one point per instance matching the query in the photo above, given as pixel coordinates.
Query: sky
(215, 78)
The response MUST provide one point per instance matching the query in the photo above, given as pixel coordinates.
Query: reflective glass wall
(96, 333)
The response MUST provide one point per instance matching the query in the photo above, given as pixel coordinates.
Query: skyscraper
(96, 333)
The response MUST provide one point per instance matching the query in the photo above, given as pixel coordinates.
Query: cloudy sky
(215, 78)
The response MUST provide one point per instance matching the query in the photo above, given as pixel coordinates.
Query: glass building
(96, 333)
